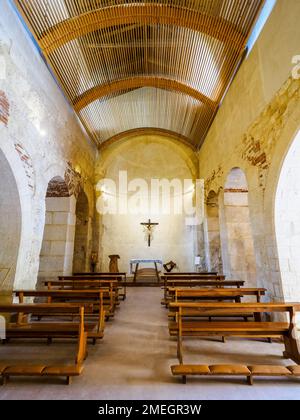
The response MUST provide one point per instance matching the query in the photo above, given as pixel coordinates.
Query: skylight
(261, 21)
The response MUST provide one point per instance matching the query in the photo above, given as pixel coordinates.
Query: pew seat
(249, 372)
(67, 371)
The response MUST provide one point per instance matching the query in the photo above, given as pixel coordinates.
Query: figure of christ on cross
(149, 226)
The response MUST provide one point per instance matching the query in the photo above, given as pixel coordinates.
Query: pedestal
(113, 264)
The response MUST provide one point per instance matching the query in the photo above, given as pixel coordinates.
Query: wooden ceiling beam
(148, 13)
(106, 89)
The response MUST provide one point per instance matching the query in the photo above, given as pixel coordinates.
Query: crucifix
(148, 226)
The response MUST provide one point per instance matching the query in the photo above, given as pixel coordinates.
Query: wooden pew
(101, 274)
(186, 278)
(95, 326)
(175, 283)
(194, 295)
(23, 311)
(92, 277)
(189, 273)
(166, 277)
(287, 330)
(110, 290)
(121, 278)
(249, 372)
(108, 274)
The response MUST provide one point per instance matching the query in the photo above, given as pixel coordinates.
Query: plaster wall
(147, 157)
(40, 138)
(255, 125)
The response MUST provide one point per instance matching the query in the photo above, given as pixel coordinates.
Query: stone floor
(133, 362)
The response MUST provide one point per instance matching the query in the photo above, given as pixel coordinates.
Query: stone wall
(147, 157)
(213, 240)
(287, 222)
(56, 256)
(10, 224)
(4, 108)
(81, 260)
(40, 138)
(253, 130)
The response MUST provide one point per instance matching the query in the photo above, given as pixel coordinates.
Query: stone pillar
(56, 256)
(240, 248)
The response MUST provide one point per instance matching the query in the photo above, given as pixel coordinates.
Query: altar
(135, 263)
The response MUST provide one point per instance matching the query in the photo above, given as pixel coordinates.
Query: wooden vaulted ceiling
(159, 64)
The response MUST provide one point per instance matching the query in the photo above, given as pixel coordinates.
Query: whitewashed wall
(41, 136)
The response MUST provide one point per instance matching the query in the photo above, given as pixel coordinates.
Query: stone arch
(146, 157)
(57, 249)
(115, 148)
(10, 227)
(214, 257)
(236, 231)
(271, 268)
(287, 222)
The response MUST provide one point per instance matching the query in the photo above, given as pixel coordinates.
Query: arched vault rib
(103, 90)
(135, 132)
(150, 13)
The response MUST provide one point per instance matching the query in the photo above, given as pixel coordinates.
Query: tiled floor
(133, 362)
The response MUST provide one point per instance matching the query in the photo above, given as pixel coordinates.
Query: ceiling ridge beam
(136, 82)
(147, 13)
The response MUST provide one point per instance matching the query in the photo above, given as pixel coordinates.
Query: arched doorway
(214, 257)
(80, 258)
(10, 227)
(56, 257)
(236, 233)
(287, 222)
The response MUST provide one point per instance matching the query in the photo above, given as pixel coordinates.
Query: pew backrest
(203, 283)
(184, 294)
(188, 277)
(116, 277)
(45, 308)
(236, 308)
(212, 273)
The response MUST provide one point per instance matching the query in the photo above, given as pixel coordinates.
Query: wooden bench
(189, 273)
(250, 372)
(186, 295)
(8, 370)
(287, 330)
(171, 284)
(195, 294)
(111, 275)
(215, 277)
(121, 278)
(95, 326)
(110, 297)
(166, 278)
(92, 277)
(91, 282)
